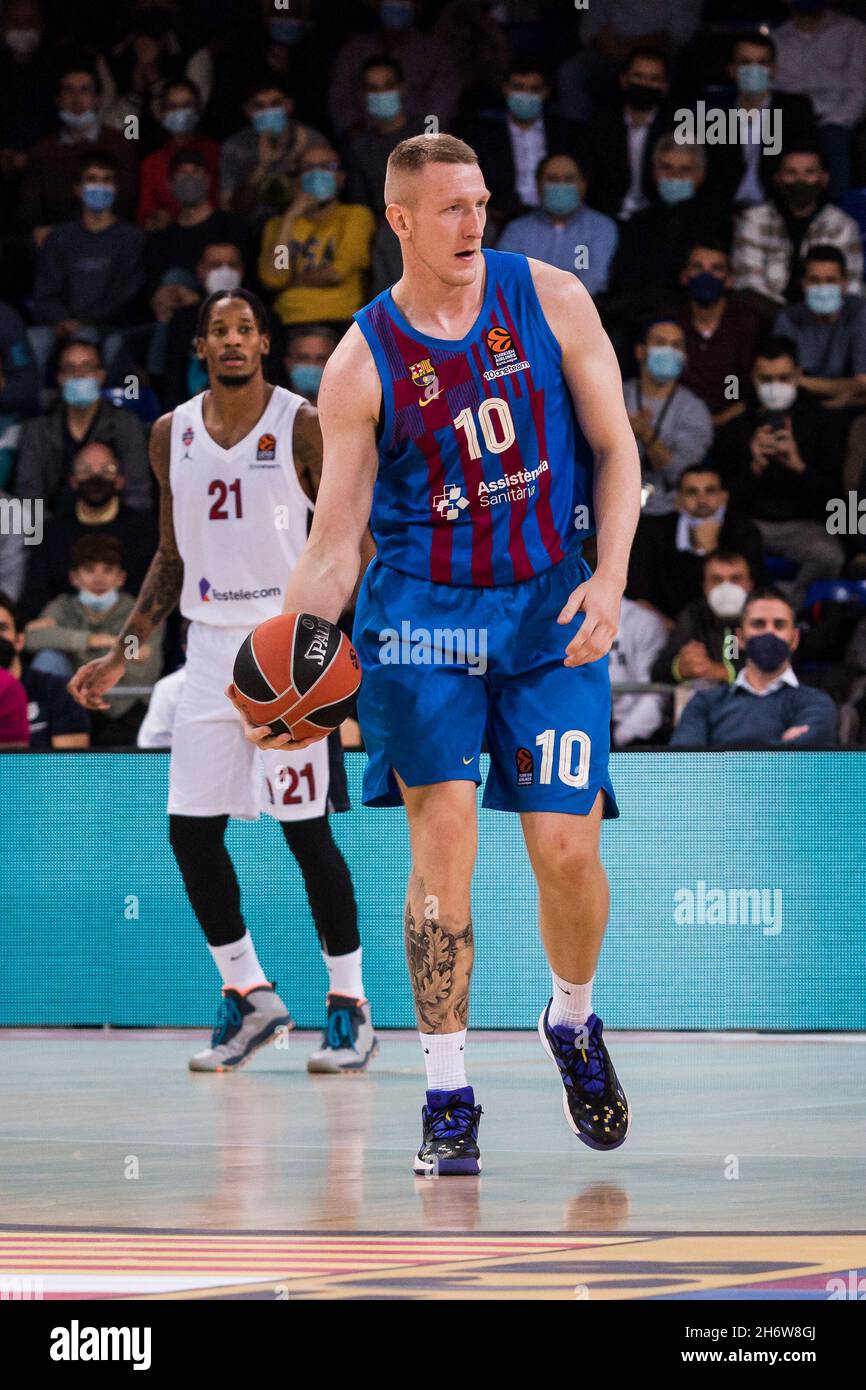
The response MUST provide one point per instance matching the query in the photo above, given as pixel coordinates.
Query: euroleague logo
(266, 447)
(524, 767)
(500, 345)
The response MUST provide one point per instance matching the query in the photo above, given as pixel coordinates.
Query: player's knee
(445, 832)
(564, 854)
(195, 836)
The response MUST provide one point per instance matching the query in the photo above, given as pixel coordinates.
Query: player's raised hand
(91, 680)
(599, 601)
(260, 734)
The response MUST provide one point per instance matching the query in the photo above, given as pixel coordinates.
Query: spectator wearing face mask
(197, 224)
(766, 704)
(81, 415)
(666, 565)
(772, 239)
(511, 145)
(179, 115)
(55, 720)
(672, 426)
(701, 645)
(28, 77)
(563, 231)
(148, 57)
(97, 484)
(19, 387)
(89, 272)
(822, 55)
(307, 351)
(182, 372)
(316, 254)
(608, 34)
(618, 141)
(829, 330)
(654, 243)
(49, 190)
(386, 123)
(432, 78)
(639, 639)
(781, 461)
(720, 334)
(742, 171)
(74, 627)
(258, 164)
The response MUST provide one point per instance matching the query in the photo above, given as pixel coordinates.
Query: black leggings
(212, 885)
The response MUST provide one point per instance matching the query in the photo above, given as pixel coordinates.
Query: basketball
(298, 674)
(499, 339)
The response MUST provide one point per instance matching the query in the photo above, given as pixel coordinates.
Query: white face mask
(727, 599)
(23, 42)
(222, 278)
(776, 395)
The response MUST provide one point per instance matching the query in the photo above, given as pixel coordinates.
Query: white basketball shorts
(215, 770)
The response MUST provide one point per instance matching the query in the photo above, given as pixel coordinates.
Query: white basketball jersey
(240, 514)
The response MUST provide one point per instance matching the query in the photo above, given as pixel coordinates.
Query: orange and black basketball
(298, 674)
(499, 339)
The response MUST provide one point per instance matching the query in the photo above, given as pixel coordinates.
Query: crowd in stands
(152, 152)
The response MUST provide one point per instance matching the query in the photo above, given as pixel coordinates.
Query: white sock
(344, 974)
(239, 965)
(444, 1059)
(571, 1004)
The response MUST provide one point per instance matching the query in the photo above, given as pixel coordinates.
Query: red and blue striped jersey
(485, 476)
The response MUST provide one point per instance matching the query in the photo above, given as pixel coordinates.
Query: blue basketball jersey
(485, 476)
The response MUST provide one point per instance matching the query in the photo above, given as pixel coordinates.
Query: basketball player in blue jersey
(474, 414)
(238, 468)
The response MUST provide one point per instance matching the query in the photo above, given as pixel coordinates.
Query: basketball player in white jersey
(238, 468)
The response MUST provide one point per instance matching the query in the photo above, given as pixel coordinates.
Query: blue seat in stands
(836, 591)
(777, 567)
(854, 203)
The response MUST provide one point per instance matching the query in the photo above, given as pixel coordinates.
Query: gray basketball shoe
(245, 1023)
(348, 1041)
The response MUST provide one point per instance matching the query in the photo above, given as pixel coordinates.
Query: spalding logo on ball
(298, 674)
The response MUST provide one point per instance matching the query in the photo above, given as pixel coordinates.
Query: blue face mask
(285, 30)
(753, 78)
(384, 106)
(705, 288)
(306, 378)
(396, 15)
(823, 299)
(81, 390)
(665, 363)
(78, 120)
(98, 197)
(767, 651)
(560, 199)
(98, 603)
(182, 121)
(676, 190)
(273, 120)
(321, 184)
(525, 106)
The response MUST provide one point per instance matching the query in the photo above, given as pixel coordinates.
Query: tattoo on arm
(163, 582)
(440, 965)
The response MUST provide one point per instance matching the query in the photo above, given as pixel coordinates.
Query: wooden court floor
(122, 1175)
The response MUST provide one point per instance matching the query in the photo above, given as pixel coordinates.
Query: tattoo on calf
(440, 965)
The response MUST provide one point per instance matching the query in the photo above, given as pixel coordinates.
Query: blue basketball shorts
(448, 670)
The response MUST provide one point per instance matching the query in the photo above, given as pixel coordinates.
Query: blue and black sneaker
(449, 1136)
(593, 1100)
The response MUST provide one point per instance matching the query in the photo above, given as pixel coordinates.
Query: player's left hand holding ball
(599, 600)
(295, 680)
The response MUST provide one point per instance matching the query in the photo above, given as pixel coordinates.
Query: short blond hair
(413, 155)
